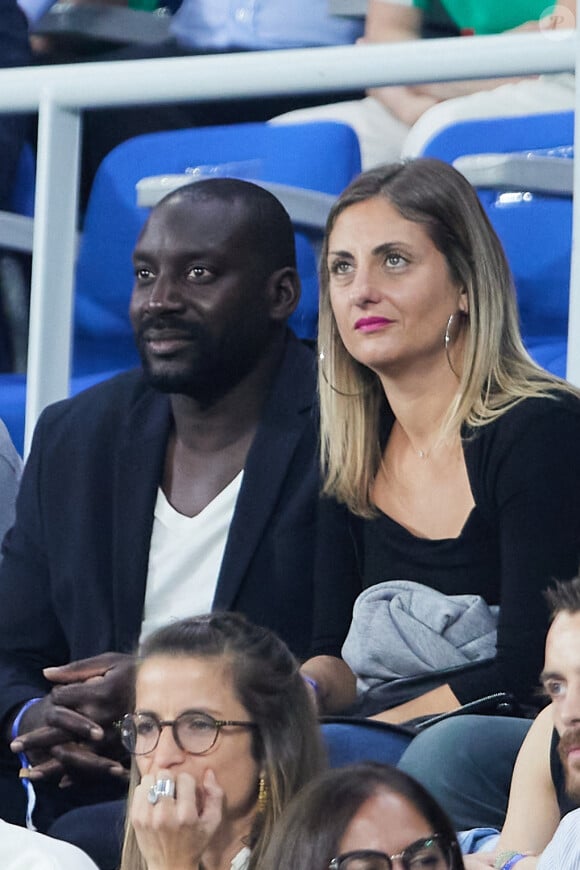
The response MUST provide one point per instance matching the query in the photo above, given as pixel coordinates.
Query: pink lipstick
(372, 324)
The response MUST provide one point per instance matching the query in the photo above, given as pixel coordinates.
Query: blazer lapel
(286, 414)
(137, 474)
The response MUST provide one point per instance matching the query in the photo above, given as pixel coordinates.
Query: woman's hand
(336, 683)
(173, 833)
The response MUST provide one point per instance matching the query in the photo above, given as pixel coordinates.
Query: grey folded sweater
(403, 629)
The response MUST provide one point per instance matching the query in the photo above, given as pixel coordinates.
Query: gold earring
(262, 795)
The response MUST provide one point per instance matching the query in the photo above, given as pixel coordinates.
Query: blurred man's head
(561, 676)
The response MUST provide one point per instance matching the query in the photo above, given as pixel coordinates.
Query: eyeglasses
(194, 732)
(432, 853)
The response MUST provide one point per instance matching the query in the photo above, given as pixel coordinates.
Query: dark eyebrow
(388, 247)
(550, 675)
(380, 250)
(184, 253)
(188, 711)
(138, 254)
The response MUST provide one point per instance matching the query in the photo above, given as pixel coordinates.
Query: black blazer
(73, 575)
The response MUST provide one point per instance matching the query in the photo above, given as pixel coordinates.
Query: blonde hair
(497, 371)
(267, 681)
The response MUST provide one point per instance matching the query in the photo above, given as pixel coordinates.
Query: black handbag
(498, 704)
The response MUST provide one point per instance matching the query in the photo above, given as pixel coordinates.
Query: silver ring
(162, 788)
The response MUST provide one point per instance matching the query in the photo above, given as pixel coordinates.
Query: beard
(570, 738)
(205, 368)
(187, 371)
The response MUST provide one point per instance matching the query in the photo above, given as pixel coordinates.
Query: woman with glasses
(222, 735)
(363, 817)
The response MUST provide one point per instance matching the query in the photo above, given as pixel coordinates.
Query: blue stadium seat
(350, 739)
(535, 227)
(23, 193)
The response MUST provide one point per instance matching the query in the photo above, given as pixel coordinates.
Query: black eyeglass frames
(431, 853)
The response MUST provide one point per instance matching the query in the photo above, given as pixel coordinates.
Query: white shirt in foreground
(25, 850)
(563, 850)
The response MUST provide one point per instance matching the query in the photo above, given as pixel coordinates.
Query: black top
(524, 472)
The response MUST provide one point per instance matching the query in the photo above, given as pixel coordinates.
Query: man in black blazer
(226, 398)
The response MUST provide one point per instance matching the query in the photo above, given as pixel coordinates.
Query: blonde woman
(452, 461)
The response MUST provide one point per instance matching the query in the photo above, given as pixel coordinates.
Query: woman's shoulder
(559, 411)
(543, 428)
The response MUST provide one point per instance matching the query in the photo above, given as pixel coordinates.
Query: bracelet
(311, 682)
(18, 717)
(25, 764)
(507, 860)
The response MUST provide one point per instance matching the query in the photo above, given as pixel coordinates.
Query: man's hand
(62, 743)
(70, 733)
(100, 688)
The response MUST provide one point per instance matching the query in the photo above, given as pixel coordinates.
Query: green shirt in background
(143, 5)
(493, 16)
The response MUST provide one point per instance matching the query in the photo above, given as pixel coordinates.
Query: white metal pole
(53, 262)
(293, 71)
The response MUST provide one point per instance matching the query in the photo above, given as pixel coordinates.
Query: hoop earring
(262, 795)
(321, 358)
(447, 341)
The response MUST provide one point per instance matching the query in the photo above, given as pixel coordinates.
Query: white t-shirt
(241, 860)
(185, 556)
(563, 850)
(25, 850)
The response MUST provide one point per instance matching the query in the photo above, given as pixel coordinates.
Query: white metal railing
(266, 73)
(60, 93)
